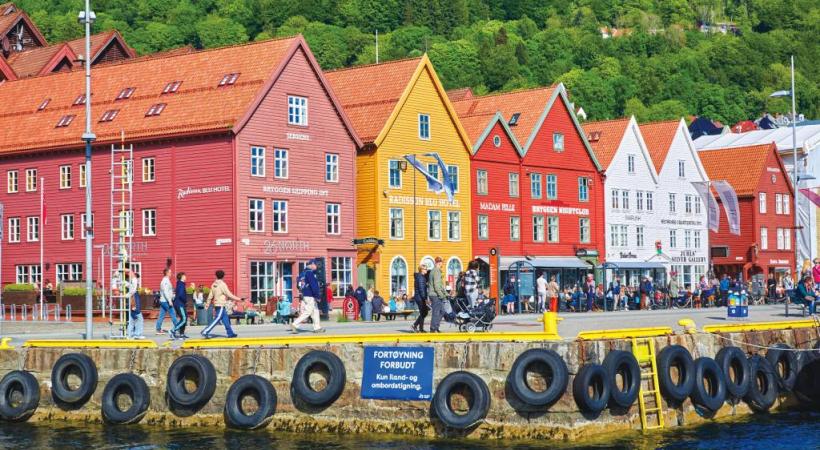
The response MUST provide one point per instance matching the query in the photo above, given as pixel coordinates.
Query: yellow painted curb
(80, 343)
(624, 333)
(760, 326)
(322, 339)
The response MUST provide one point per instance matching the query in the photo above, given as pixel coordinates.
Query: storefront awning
(624, 265)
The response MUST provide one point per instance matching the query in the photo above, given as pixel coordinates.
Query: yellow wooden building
(400, 108)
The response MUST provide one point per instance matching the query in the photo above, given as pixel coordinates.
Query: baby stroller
(479, 317)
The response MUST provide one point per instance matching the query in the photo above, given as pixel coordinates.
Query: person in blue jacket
(420, 296)
(361, 297)
(310, 295)
(180, 303)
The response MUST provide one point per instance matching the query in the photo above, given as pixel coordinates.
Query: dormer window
(65, 121)
(514, 119)
(228, 79)
(155, 110)
(44, 104)
(171, 87)
(109, 115)
(126, 93)
(80, 100)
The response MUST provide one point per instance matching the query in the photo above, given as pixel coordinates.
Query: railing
(22, 313)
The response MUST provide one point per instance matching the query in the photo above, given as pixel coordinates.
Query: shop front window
(262, 281)
(398, 276)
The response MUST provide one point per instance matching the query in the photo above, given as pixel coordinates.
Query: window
(148, 170)
(434, 225)
(394, 173)
(687, 239)
(453, 270)
(172, 87)
(333, 211)
(558, 142)
(764, 238)
(762, 200)
(262, 278)
(257, 161)
(613, 235)
(453, 171)
(396, 223)
(535, 185)
(85, 225)
(331, 167)
(79, 100)
(297, 111)
(616, 199)
(44, 104)
(432, 169)
(583, 230)
(780, 240)
(424, 126)
(681, 169)
(280, 163)
(552, 229)
(624, 231)
(256, 215)
(109, 115)
(67, 227)
(453, 225)
(28, 274)
(552, 187)
(672, 203)
(649, 205)
(149, 222)
(11, 181)
(14, 229)
(786, 201)
(155, 110)
(513, 184)
(673, 238)
(341, 274)
(126, 225)
(538, 228)
(69, 272)
(65, 121)
(33, 231)
(228, 79)
(280, 216)
(126, 93)
(31, 180)
(83, 176)
(625, 199)
(515, 228)
(583, 189)
(65, 177)
(483, 227)
(687, 204)
(639, 236)
(778, 204)
(497, 140)
(481, 182)
(697, 239)
(398, 275)
(630, 163)
(639, 200)
(787, 239)
(696, 200)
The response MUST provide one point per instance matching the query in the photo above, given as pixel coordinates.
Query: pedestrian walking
(541, 288)
(221, 297)
(310, 293)
(552, 293)
(166, 301)
(180, 304)
(436, 294)
(589, 290)
(471, 279)
(614, 290)
(420, 296)
(136, 322)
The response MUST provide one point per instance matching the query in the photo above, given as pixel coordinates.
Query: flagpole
(42, 243)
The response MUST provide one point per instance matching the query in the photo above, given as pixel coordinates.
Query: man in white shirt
(541, 285)
(166, 301)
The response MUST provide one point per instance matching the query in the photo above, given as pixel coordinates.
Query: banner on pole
(730, 205)
(812, 196)
(712, 208)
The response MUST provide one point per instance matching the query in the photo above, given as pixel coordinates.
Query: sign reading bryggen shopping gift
(398, 373)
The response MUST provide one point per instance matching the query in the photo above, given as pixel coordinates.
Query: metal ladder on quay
(649, 395)
(120, 249)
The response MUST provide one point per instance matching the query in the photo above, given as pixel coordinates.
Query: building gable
(497, 143)
(632, 143)
(682, 148)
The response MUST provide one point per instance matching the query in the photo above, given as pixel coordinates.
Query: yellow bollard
(551, 323)
(4, 344)
(688, 326)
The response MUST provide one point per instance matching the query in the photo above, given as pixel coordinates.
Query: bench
(802, 306)
(248, 320)
(392, 315)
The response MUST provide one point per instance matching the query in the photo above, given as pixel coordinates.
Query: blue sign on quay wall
(398, 373)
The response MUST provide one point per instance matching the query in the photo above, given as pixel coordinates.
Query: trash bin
(204, 316)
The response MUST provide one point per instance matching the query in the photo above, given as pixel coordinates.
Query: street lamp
(86, 18)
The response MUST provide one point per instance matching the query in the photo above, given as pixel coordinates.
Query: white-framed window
(515, 228)
(453, 171)
(787, 239)
(394, 173)
(639, 200)
(630, 163)
(341, 274)
(624, 235)
(764, 238)
(513, 177)
(297, 111)
(14, 229)
(11, 181)
(786, 202)
(424, 126)
(687, 204)
(552, 229)
(432, 169)
(481, 182)
(696, 201)
(649, 201)
(280, 216)
(149, 222)
(639, 242)
(85, 224)
(69, 272)
(761, 198)
(558, 142)
(687, 239)
(584, 230)
(396, 223)
(28, 274)
(454, 225)
(613, 235)
(697, 242)
(483, 227)
(333, 212)
(552, 186)
(65, 177)
(256, 215)
(148, 170)
(126, 222)
(538, 228)
(262, 280)
(681, 169)
(615, 199)
(672, 203)
(31, 180)
(33, 229)
(280, 163)
(673, 238)
(67, 227)
(780, 241)
(583, 189)
(331, 167)
(257, 161)
(434, 225)
(83, 175)
(625, 199)
(398, 275)
(535, 185)
(778, 204)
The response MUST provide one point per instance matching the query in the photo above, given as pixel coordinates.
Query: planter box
(20, 298)
(77, 302)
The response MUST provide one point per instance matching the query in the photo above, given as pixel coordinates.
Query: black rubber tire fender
(198, 369)
(678, 357)
(623, 364)
(709, 391)
(479, 394)
(781, 355)
(262, 392)
(335, 370)
(733, 360)
(28, 396)
(557, 377)
(81, 366)
(125, 384)
(591, 388)
(763, 387)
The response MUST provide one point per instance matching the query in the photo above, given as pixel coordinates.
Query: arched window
(428, 262)
(453, 269)
(398, 276)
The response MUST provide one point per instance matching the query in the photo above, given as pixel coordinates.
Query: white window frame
(554, 183)
(14, 230)
(613, 235)
(454, 226)
(624, 232)
(787, 239)
(434, 225)
(535, 182)
(83, 233)
(149, 222)
(257, 153)
(639, 200)
(673, 203)
(584, 230)
(32, 229)
(256, 215)
(31, 180)
(481, 182)
(341, 274)
(650, 207)
(583, 189)
(761, 197)
(28, 274)
(625, 200)
(424, 126)
(393, 166)
(630, 164)
(673, 238)
(514, 185)
(333, 214)
(538, 228)
(515, 228)
(83, 173)
(687, 204)
(67, 227)
(483, 224)
(697, 241)
(396, 223)
(764, 238)
(452, 173)
(780, 240)
(615, 199)
(65, 177)
(68, 272)
(331, 167)
(297, 111)
(149, 167)
(281, 163)
(557, 142)
(12, 181)
(553, 230)
(681, 169)
(687, 239)
(279, 209)
(639, 236)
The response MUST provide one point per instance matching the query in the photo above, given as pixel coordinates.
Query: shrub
(74, 291)
(19, 287)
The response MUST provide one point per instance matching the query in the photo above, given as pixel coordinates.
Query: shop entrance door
(366, 275)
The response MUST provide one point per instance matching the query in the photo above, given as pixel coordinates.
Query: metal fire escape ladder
(122, 229)
(649, 396)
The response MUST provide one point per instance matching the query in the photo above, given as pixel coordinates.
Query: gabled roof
(100, 42)
(528, 103)
(605, 138)
(457, 95)
(11, 19)
(488, 128)
(658, 137)
(742, 167)
(6, 70)
(199, 107)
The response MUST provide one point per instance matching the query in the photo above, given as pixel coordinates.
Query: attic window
(80, 100)
(65, 121)
(43, 104)
(228, 79)
(171, 87)
(594, 136)
(155, 110)
(514, 119)
(109, 115)
(126, 93)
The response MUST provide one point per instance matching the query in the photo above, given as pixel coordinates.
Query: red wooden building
(765, 197)
(537, 186)
(243, 161)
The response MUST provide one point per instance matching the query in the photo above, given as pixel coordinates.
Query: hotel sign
(491, 206)
(547, 209)
(188, 191)
(421, 201)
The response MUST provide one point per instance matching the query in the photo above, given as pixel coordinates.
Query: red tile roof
(200, 106)
(369, 93)
(742, 167)
(457, 95)
(658, 137)
(29, 63)
(529, 103)
(99, 42)
(605, 137)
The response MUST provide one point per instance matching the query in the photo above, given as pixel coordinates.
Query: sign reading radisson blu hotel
(398, 373)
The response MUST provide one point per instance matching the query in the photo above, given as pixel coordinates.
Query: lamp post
(86, 18)
(403, 168)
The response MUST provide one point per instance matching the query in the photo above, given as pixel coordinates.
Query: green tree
(457, 63)
(215, 31)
